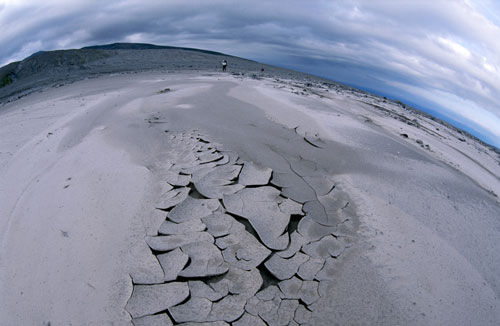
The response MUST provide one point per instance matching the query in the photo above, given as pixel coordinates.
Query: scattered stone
(169, 227)
(155, 320)
(193, 208)
(169, 242)
(249, 320)
(260, 206)
(419, 141)
(196, 309)
(254, 175)
(150, 299)
(206, 260)
(172, 263)
(284, 268)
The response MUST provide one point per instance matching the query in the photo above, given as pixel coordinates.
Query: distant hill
(145, 46)
(54, 68)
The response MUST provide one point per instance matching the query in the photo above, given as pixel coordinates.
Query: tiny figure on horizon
(224, 65)
(262, 69)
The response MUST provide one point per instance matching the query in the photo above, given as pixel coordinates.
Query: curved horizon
(442, 57)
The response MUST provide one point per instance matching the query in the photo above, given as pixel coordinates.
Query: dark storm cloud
(444, 54)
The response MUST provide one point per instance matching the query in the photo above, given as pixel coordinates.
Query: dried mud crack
(234, 249)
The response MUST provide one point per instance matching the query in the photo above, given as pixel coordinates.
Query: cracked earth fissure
(241, 251)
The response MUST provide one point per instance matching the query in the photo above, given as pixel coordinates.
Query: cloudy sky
(442, 56)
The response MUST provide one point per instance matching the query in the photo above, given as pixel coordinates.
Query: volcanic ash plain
(216, 199)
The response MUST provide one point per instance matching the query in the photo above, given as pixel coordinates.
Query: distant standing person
(224, 65)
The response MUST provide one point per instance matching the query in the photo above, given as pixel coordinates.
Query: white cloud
(434, 46)
(457, 108)
(455, 47)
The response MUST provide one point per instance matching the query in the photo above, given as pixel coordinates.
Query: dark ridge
(146, 46)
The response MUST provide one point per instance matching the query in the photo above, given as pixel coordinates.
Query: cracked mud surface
(234, 248)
